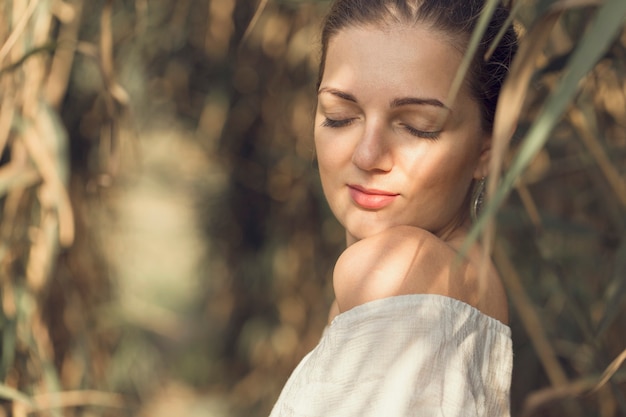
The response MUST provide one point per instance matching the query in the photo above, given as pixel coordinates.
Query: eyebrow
(398, 102)
(407, 101)
(338, 93)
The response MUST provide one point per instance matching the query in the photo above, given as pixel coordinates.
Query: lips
(371, 199)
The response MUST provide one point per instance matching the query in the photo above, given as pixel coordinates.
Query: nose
(373, 151)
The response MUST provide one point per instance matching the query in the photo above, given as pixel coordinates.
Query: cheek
(326, 161)
(332, 153)
(448, 170)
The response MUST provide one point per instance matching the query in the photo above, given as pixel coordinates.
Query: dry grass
(210, 103)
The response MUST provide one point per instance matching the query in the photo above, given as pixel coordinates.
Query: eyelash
(332, 123)
(337, 123)
(422, 134)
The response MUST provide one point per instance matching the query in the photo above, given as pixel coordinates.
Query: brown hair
(457, 18)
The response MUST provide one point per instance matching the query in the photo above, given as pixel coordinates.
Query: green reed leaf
(593, 45)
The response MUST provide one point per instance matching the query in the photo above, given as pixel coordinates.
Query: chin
(369, 229)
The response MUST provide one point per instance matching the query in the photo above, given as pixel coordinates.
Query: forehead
(393, 59)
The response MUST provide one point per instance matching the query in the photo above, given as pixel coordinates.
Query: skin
(383, 127)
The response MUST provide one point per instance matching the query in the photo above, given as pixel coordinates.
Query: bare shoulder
(408, 260)
(400, 260)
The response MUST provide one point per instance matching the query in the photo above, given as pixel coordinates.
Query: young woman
(412, 331)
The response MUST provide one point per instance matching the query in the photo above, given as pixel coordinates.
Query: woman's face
(384, 157)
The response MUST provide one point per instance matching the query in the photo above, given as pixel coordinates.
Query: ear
(482, 168)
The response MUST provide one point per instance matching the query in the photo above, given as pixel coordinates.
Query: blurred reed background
(165, 248)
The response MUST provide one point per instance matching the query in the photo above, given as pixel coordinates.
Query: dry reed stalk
(76, 399)
(60, 68)
(529, 317)
(529, 205)
(512, 97)
(36, 213)
(587, 128)
(37, 216)
(6, 116)
(257, 14)
(18, 28)
(544, 397)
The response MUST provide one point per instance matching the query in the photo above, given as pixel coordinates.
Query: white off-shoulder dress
(412, 355)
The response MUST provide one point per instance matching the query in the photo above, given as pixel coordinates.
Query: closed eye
(336, 123)
(433, 135)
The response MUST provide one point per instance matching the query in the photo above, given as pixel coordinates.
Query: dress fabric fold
(412, 355)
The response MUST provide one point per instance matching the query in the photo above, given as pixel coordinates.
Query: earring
(478, 197)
